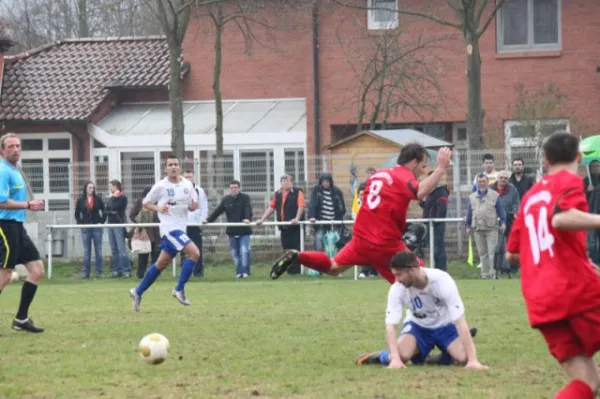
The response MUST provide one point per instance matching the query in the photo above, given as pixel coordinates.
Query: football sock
(186, 272)
(318, 261)
(151, 275)
(384, 357)
(576, 389)
(27, 294)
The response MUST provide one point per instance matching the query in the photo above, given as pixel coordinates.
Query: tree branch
(481, 31)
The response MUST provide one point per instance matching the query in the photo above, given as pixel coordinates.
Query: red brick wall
(288, 72)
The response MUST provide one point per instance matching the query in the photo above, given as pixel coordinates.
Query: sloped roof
(399, 137)
(67, 80)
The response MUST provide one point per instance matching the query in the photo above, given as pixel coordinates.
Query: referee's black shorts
(16, 248)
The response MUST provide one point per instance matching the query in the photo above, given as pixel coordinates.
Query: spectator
(510, 200)
(488, 170)
(326, 204)
(196, 218)
(90, 210)
(592, 191)
(435, 206)
(482, 221)
(238, 209)
(144, 216)
(519, 179)
(115, 211)
(288, 205)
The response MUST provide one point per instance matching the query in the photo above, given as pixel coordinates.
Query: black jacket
(85, 215)
(522, 186)
(236, 210)
(435, 205)
(316, 200)
(115, 209)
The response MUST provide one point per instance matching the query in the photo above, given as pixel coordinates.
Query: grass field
(294, 337)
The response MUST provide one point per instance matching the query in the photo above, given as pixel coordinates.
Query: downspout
(316, 88)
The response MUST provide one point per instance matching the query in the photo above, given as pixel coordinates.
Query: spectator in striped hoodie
(326, 203)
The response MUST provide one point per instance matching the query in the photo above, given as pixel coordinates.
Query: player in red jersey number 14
(381, 220)
(560, 285)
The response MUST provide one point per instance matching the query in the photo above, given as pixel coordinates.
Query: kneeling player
(559, 284)
(436, 318)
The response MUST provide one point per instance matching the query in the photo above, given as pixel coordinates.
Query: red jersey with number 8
(557, 278)
(381, 219)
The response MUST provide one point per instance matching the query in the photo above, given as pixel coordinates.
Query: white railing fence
(52, 230)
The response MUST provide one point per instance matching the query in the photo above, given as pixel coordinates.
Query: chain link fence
(65, 182)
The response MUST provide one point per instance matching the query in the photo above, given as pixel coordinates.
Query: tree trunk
(176, 103)
(475, 112)
(219, 158)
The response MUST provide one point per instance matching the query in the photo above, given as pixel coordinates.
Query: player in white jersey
(435, 317)
(173, 197)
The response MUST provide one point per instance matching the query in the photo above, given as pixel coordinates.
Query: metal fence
(63, 183)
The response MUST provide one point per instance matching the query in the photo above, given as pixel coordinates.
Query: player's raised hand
(444, 156)
(475, 365)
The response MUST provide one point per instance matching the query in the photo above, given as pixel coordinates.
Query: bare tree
(394, 75)
(539, 113)
(471, 18)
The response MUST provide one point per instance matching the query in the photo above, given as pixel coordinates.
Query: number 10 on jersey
(540, 238)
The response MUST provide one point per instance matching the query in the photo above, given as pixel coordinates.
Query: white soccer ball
(154, 348)
(14, 277)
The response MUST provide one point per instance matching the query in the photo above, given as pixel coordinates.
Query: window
(59, 205)
(32, 145)
(59, 144)
(294, 165)
(137, 173)
(34, 170)
(59, 175)
(213, 179)
(525, 25)
(257, 171)
(524, 139)
(381, 14)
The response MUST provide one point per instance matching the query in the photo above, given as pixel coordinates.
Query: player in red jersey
(560, 286)
(381, 220)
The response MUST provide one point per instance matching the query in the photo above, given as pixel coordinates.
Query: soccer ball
(14, 277)
(154, 348)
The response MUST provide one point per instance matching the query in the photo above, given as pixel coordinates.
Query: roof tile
(69, 79)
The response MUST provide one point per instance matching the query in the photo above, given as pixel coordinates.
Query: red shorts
(363, 253)
(577, 335)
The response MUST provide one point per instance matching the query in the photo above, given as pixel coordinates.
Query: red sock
(577, 389)
(315, 260)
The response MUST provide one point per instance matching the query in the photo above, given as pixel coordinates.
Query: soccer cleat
(473, 331)
(180, 296)
(135, 299)
(26, 325)
(283, 263)
(369, 358)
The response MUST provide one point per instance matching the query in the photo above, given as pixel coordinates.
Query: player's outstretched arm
(391, 336)
(429, 184)
(574, 219)
(465, 338)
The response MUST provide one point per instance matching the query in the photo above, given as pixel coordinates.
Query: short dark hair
(404, 260)
(236, 182)
(411, 152)
(487, 156)
(482, 175)
(172, 156)
(189, 171)
(519, 160)
(561, 147)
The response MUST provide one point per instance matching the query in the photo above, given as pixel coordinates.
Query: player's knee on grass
(457, 350)
(35, 271)
(407, 347)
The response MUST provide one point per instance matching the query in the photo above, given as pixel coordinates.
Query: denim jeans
(439, 250)
(88, 236)
(118, 249)
(240, 251)
(195, 234)
(593, 236)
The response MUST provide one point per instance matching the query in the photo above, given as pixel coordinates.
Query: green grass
(295, 337)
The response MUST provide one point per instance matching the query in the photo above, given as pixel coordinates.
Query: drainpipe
(316, 88)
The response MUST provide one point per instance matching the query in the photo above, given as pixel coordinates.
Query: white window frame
(376, 25)
(530, 46)
(46, 155)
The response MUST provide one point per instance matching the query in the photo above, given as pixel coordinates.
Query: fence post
(431, 241)
(49, 251)
(301, 246)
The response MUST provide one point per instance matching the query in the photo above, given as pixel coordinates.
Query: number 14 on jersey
(540, 237)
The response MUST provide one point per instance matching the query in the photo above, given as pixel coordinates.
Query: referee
(15, 245)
